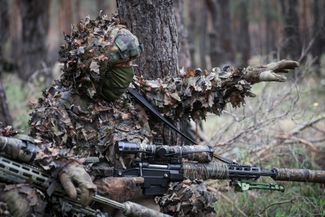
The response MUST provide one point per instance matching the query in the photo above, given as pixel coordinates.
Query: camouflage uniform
(84, 113)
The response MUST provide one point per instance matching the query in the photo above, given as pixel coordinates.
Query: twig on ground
(276, 203)
(306, 125)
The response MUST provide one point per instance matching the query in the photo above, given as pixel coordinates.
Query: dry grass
(283, 126)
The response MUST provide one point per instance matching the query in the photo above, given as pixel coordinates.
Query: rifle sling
(154, 112)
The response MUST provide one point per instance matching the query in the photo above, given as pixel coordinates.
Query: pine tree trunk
(184, 58)
(5, 117)
(214, 34)
(202, 31)
(270, 28)
(35, 23)
(4, 27)
(318, 33)
(65, 16)
(15, 30)
(245, 44)
(291, 47)
(226, 37)
(153, 22)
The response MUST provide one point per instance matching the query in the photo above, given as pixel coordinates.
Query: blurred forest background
(283, 126)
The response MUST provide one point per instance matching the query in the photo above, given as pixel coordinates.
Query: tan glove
(269, 72)
(74, 175)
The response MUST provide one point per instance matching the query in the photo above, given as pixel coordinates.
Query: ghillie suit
(84, 113)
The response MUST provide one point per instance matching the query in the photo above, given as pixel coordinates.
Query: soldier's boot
(21, 201)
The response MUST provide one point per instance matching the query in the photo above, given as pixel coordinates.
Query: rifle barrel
(299, 175)
(216, 170)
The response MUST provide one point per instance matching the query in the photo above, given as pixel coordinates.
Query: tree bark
(35, 23)
(214, 36)
(319, 33)
(5, 117)
(153, 22)
(202, 31)
(226, 40)
(184, 58)
(291, 47)
(65, 16)
(270, 27)
(15, 30)
(245, 45)
(4, 28)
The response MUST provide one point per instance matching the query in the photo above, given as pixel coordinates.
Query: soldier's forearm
(195, 93)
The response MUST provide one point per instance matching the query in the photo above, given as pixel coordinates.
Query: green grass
(299, 199)
(19, 97)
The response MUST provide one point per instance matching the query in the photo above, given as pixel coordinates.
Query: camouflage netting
(188, 198)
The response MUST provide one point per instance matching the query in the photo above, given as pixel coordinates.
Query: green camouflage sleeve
(195, 92)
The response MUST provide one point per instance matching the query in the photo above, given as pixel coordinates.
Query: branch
(309, 124)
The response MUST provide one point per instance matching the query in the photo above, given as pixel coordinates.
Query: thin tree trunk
(214, 34)
(153, 22)
(304, 23)
(191, 30)
(245, 44)
(5, 117)
(78, 11)
(184, 58)
(15, 30)
(291, 47)
(4, 28)
(65, 16)
(318, 33)
(35, 23)
(226, 40)
(202, 31)
(270, 30)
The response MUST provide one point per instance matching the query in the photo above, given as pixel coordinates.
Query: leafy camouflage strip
(188, 199)
(21, 200)
(7, 131)
(195, 93)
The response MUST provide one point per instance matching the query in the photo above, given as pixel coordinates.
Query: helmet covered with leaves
(94, 47)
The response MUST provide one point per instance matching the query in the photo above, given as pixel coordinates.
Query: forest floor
(283, 126)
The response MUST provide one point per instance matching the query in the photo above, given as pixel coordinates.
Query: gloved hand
(74, 175)
(269, 72)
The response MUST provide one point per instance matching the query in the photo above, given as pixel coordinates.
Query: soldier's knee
(20, 201)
